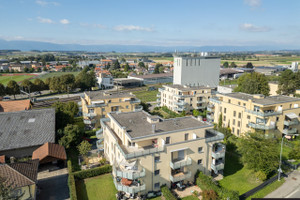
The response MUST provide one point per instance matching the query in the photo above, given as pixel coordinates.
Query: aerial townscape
(168, 100)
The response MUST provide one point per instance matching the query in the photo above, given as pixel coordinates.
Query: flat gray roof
(263, 101)
(136, 123)
(147, 76)
(26, 128)
(188, 88)
(108, 95)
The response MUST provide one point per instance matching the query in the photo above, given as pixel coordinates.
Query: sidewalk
(291, 185)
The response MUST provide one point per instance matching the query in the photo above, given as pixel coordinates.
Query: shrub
(206, 182)
(71, 182)
(92, 172)
(209, 195)
(167, 193)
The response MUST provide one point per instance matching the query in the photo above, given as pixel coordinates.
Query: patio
(188, 191)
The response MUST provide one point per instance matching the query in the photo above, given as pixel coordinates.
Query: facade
(274, 86)
(96, 105)
(105, 80)
(244, 113)
(180, 98)
(147, 151)
(153, 78)
(197, 71)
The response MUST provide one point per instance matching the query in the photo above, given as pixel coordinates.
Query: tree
(126, 67)
(253, 83)
(39, 85)
(2, 90)
(288, 82)
(86, 79)
(47, 82)
(6, 191)
(64, 113)
(209, 195)
(225, 64)
(196, 113)
(26, 69)
(27, 86)
(71, 136)
(295, 153)
(12, 88)
(249, 65)
(141, 64)
(84, 147)
(67, 82)
(220, 122)
(233, 65)
(115, 65)
(156, 69)
(259, 153)
(55, 84)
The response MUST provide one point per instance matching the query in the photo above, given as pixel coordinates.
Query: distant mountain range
(47, 46)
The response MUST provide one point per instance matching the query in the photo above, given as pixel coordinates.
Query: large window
(168, 140)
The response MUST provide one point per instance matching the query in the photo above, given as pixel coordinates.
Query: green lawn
(237, 177)
(228, 82)
(5, 79)
(266, 190)
(96, 188)
(52, 74)
(146, 96)
(191, 197)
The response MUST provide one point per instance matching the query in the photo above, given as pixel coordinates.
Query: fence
(291, 165)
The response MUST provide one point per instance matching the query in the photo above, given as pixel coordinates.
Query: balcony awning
(292, 115)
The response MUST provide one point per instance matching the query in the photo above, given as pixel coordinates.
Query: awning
(292, 115)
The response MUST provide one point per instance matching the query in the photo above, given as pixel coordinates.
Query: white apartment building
(180, 98)
(197, 71)
(105, 81)
(147, 151)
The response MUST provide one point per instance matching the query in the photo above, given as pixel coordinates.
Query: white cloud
(132, 28)
(45, 3)
(92, 25)
(45, 20)
(64, 21)
(253, 28)
(253, 3)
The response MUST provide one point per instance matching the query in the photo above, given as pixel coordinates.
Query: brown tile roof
(13, 106)
(47, 150)
(19, 174)
(2, 159)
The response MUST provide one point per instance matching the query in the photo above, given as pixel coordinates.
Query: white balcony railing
(129, 189)
(181, 163)
(132, 174)
(181, 103)
(161, 89)
(158, 95)
(210, 109)
(88, 122)
(217, 166)
(290, 123)
(263, 114)
(180, 176)
(218, 155)
(261, 126)
(89, 114)
(289, 131)
(215, 100)
(138, 108)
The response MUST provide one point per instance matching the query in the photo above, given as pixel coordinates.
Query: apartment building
(244, 112)
(96, 105)
(196, 71)
(180, 98)
(147, 151)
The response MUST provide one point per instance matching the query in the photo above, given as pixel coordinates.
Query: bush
(92, 172)
(167, 193)
(71, 182)
(209, 195)
(206, 182)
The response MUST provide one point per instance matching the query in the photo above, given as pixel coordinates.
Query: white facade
(105, 81)
(197, 71)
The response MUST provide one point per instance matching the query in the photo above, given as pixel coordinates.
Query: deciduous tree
(12, 88)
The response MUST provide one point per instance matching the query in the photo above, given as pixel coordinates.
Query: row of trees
(289, 82)
(233, 65)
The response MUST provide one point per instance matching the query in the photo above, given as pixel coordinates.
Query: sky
(153, 22)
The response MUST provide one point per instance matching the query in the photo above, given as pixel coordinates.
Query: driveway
(53, 186)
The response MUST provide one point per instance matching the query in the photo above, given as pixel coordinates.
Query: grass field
(145, 95)
(266, 190)
(96, 188)
(18, 78)
(52, 74)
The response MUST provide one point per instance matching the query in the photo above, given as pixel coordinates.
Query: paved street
(289, 189)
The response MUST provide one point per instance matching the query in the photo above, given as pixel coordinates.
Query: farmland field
(52, 74)
(5, 78)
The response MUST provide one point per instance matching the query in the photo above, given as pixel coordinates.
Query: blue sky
(153, 22)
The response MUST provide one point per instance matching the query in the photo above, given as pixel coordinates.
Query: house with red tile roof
(13, 106)
(50, 152)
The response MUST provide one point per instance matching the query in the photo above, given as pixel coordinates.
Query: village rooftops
(141, 124)
(261, 99)
(108, 95)
(26, 128)
(187, 88)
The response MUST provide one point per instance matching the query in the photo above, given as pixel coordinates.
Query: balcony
(215, 100)
(212, 135)
(180, 163)
(210, 109)
(210, 117)
(129, 174)
(161, 89)
(200, 101)
(217, 166)
(134, 100)
(99, 144)
(200, 107)
(99, 134)
(261, 126)
(289, 131)
(158, 100)
(94, 105)
(89, 122)
(133, 152)
(180, 176)
(179, 108)
(290, 123)
(89, 114)
(129, 189)
(220, 152)
(181, 103)
(138, 108)
(263, 114)
(158, 95)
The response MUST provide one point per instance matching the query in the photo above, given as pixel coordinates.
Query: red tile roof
(49, 152)
(2, 159)
(12, 106)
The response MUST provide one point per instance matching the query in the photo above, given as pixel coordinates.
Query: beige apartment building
(244, 113)
(180, 98)
(147, 151)
(96, 105)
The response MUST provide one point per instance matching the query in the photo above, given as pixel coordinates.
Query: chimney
(153, 128)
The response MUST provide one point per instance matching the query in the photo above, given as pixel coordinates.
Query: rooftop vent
(31, 120)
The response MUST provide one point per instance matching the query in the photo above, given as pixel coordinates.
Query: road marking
(291, 193)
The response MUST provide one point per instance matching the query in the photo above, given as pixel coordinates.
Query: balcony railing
(217, 136)
(138, 108)
(180, 176)
(200, 107)
(88, 122)
(99, 144)
(215, 100)
(89, 114)
(180, 108)
(161, 89)
(211, 117)
(180, 103)
(158, 95)
(200, 101)
(99, 134)
(217, 166)
(290, 123)
(220, 153)
(96, 105)
(289, 131)
(261, 126)
(132, 174)
(129, 189)
(135, 101)
(263, 114)
(181, 163)
(158, 100)
(140, 152)
(210, 109)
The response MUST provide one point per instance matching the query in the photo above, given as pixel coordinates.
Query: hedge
(71, 182)
(80, 175)
(167, 193)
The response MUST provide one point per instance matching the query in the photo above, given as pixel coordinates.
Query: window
(233, 130)
(229, 100)
(156, 172)
(199, 161)
(167, 140)
(238, 132)
(234, 113)
(186, 136)
(233, 122)
(240, 115)
(120, 100)
(290, 105)
(109, 101)
(224, 110)
(239, 124)
(157, 185)
(277, 118)
(157, 159)
(248, 116)
(200, 149)
(224, 118)
(127, 107)
(239, 103)
(244, 104)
